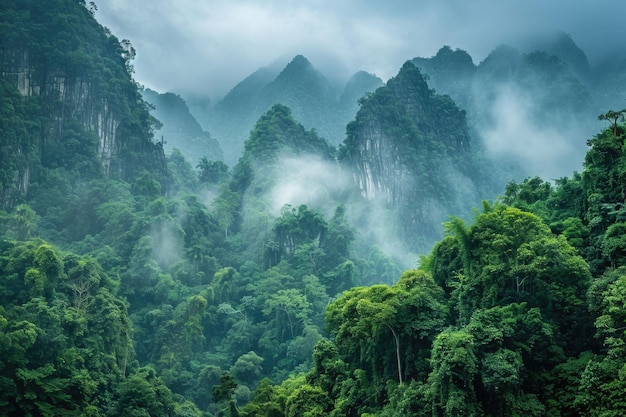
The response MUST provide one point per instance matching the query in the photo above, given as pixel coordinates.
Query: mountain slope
(411, 149)
(66, 81)
(531, 108)
(180, 129)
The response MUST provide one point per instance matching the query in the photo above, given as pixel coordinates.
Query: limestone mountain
(280, 157)
(68, 99)
(610, 83)
(411, 149)
(522, 104)
(545, 77)
(277, 136)
(180, 129)
(562, 45)
(449, 72)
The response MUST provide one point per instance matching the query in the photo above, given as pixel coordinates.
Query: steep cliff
(69, 85)
(411, 149)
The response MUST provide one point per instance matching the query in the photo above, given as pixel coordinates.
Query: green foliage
(605, 191)
(143, 393)
(212, 172)
(177, 291)
(387, 331)
(65, 334)
(277, 131)
(411, 148)
(80, 110)
(454, 370)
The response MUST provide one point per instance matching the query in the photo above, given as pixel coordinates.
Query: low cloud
(167, 243)
(309, 180)
(323, 185)
(548, 150)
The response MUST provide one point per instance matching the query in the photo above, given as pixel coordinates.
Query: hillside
(532, 107)
(411, 150)
(179, 129)
(69, 101)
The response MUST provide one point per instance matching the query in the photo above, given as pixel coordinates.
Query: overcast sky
(208, 46)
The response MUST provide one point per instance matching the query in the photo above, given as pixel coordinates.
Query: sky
(206, 47)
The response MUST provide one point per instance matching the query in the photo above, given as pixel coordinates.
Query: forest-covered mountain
(179, 129)
(69, 101)
(410, 149)
(523, 104)
(134, 283)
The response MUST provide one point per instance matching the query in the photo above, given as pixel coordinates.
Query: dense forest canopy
(136, 280)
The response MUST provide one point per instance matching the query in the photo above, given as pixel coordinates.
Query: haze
(209, 46)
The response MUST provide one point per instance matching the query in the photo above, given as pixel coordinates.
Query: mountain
(314, 100)
(610, 83)
(531, 108)
(546, 78)
(449, 72)
(278, 150)
(180, 129)
(411, 149)
(131, 288)
(562, 45)
(70, 99)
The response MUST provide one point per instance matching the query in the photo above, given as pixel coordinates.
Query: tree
(613, 117)
(144, 394)
(293, 305)
(368, 323)
(212, 172)
(513, 257)
(224, 392)
(455, 368)
(247, 368)
(603, 382)
(307, 401)
(24, 221)
(225, 206)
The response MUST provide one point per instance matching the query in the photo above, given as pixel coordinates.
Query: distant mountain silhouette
(313, 99)
(180, 129)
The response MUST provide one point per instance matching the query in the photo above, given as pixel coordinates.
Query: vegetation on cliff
(136, 284)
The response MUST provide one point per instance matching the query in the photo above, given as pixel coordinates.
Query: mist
(218, 43)
(549, 150)
(312, 181)
(167, 243)
(323, 185)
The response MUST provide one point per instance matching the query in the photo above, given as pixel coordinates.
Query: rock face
(67, 96)
(69, 91)
(410, 148)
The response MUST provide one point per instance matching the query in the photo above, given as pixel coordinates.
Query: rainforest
(304, 247)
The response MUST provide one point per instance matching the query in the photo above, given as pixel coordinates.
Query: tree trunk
(396, 339)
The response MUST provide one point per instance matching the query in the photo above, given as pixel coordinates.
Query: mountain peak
(409, 77)
(563, 46)
(299, 60)
(298, 65)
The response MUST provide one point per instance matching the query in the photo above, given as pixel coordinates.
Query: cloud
(209, 46)
(322, 186)
(309, 180)
(549, 151)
